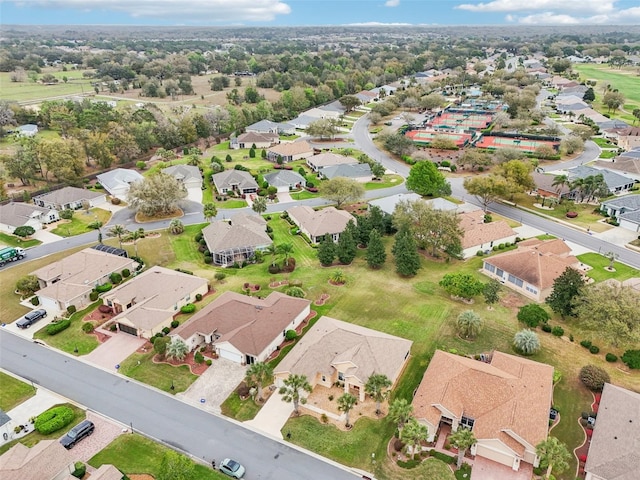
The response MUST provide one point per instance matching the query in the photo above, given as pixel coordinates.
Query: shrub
(199, 358)
(175, 323)
(295, 292)
(219, 276)
(93, 296)
(115, 278)
(208, 259)
(126, 273)
(66, 214)
(166, 330)
(105, 287)
(557, 331)
(411, 463)
(586, 343)
(53, 420)
(546, 328)
(631, 358)
(443, 456)
(188, 308)
(290, 335)
(243, 390)
(87, 327)
(35, 301)
(398, 445)
(198, 237)
(115, 201)
(208, 362)
(57, 327)
(71, 309)
(594, 377)
(80, 469)
(532, 315)
(610, 357)
(198, 297)
(274, 268)
(572, 214)
(593, 349)
(113, 327)
(141, 166)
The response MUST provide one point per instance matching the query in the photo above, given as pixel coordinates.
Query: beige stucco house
(504, 400)
(336, 351)
(290, 151)
(483, 236)
(244, 329)
(46, 460)
(315, 224)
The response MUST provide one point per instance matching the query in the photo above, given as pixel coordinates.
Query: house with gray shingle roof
(360, 172)
(118, 181)
(71, 198)
(267, 126)
(259, 139)
(28, 130)
(328, 159)
(285, 180)
(388, 204)
(336, 351)
(237, 240)
(234, 181)
(188, 175)
(614, 451)
(18, 214)
(315, 224)
(615, 182)
(625, 209)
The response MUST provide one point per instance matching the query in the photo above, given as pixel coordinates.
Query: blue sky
(319, 12)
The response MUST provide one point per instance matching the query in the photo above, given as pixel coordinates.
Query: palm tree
(469, 324)
(273, 251)
(134, 237)
(259, 373)
(560, 181)
(118, 231)
(338, 277)
(176, 227)
(177, 349)
(400, 412)
(553, 454)
(612, 256)
(346, 402)
(259, 205)
(291, 390)
(413, 434)
(378, 388)
(209, 211)
(526, 342)
(578, 186)
(285, 249)
(462, 439)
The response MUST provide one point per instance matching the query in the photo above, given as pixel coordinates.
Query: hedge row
(57, 327)
(53, 420)
(443, 456)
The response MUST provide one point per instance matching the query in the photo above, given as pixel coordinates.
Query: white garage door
(49, 304)
(233, 356)
(495, 455)
(629, 225)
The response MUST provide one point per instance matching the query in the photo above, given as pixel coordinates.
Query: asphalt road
(160, 416)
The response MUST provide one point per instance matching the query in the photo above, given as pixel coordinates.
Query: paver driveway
(485, 469)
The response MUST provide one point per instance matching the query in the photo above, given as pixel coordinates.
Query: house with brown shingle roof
(290, 151)
(532, 268)
(336, 351)
(505, 402)
(614, 452)
(70, 281)
(483, 236)
(259, 139)
(244, 329)
(315, 224)
(147, 303)
(46, 460)
(237, 240)
(629, 138)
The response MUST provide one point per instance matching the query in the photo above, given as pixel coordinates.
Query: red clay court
(467, 121)
(426, 137)
(496, 143)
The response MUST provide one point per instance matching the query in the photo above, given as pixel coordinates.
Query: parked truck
(11, 254)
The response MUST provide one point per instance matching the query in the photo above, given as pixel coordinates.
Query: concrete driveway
(214, 385)
(272, 416)
(284, 197)
(485, 469)
(115, 350)
(45, 236)
(194, 194)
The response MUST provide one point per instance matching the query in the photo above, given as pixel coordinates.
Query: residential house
(532, 268)
(46, 460)
(315, 224)
(627, 163)
(388, 204)
(118, 181)
(285, 180)
(625, 209)
(481, 236)
(28, 130)
(614, 451)
(244, 329)
(18, 214)
(148, 302)
(616, 183)
(71, 198)
(70, 280)
(259, 139)
(236, 181)
(504, 401)
(188, 175)
(629, 138)
(237, 240)
(440, 203)
(545, 187)
(336, 351)
(328, 159)
(290, 152)
(267, 126)
(366, 96)
(302, 121)
(360, 172)
(104, 472)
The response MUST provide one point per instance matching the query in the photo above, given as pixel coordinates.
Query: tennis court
(425, 137)
(525, 144)
(467, 121)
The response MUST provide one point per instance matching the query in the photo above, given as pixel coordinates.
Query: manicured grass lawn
(7, 240)
(431, 469)
(241, 410)
(186, 248)
(609, 154)
(386, 182)
(289, 137)
(157, 375)
(13, 392)
(79, 224)
(135, 454)
(73, 337)
(598, 272)
(231, 203)
(34, 437)
(603, 142)
(303, 195)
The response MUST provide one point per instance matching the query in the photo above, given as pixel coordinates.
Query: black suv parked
(31, 318)
(77, 433)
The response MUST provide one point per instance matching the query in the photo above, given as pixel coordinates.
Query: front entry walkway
(273, 415)
(485, 469)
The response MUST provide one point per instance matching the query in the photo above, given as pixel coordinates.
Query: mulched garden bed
(196, 368)
(279, 283)
(322, 300)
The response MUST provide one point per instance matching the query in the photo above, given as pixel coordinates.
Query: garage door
(128, 329)
(49, 304)
(233, 356)
(496, 456)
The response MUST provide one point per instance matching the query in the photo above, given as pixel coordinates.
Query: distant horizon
(318, 13)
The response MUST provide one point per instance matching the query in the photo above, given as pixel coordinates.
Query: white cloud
(378, 24)
(629, 16)
(583, 6)
(392, 3)
(201, 11)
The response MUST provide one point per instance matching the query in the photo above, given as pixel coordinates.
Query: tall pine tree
(406, 253)
(347, 246)
(363, 230)
(376, 254)
(326, 251)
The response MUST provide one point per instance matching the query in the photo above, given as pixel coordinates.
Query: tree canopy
(341, 190)
(566, 288)
(425, 179)
(158, 194)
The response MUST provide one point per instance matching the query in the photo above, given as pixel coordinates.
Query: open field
(29, 91)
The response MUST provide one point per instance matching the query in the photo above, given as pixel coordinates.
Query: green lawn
(141, 367)
(608, 154)
(599, 262)
(13, 241)
(241, 410)
(73, 337)
(13, 392)
(79, 224)
(603, 142)
(34, 437)
(386, 182)
(27, 90)
(304, 195)
(135, 454)
(289, 137)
